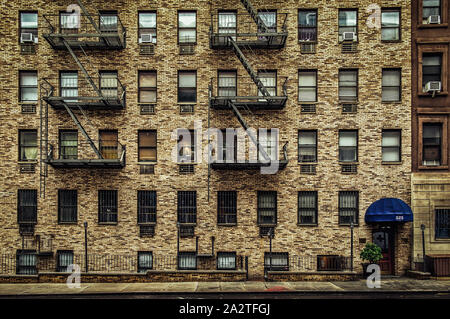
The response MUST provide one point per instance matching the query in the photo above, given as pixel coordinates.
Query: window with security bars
(430, 8)
(109, 84)
(307, 86)
(431, 68)
(442, 223)
(391, 85)
(307, 207)
(64, 259)
(432, 144)
(147, 87)
(227, 23)
(269, 80)
(391, 146)
(27, 206)
(107, 206)
(268, 140)
(108, 21)
(26, 262)
(267, 207)
(348, 207)
(187, 261)
(307, 25)
(28, 148)
(348, 146)
(226, 260)
(307, 146)
(187, 27)
(186, 146)
(67, 206)
(68, 85)
(187, 207)
(109, 142)
(145, 261)
(348, 85)
(29, 24)
(28, 86)
(276, 261)
(147, 146)
(390, 25)
(226, 207)
(146, 207)
(68, 144)
(227, 83)
(147, 25)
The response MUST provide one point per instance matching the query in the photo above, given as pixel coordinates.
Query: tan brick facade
(374, 179)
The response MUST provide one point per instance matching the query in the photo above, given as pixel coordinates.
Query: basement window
(26, 262)
(226, 260)
(276, 261)
(187, 261)
(145, 261)
(64, 259)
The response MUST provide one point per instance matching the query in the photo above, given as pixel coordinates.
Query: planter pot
(364, 266)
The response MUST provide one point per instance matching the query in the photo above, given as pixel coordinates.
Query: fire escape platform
(87, 163)
(106, 42)
(252, 102)
(247, 165)
(88, 103)
(264, 41)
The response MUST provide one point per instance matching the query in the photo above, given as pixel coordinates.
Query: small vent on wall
(186, 108)
(27, 49)
(265, 231)
(26, 229)
(146, 169)
(349, 108)
(187, 231)
(27, 168)
(308, 108)
(147, 230)
(187, 49)
(349, 47)
(186, 169)
(147, 109)
(308, 48)
(308, 169)
(146, 49)
(349, 168)
(28, 108)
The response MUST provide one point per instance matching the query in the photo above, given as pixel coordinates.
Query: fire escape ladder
(254, 14)
(255, 141)
(241, 57)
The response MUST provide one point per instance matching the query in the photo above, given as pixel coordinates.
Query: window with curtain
(187, 261)
(26, 262)
(145, 261)
(227, 23)
(442, 223)
(348, 85)
(269, 80)
(27, 206)
(187, 86)
(270, 20)
(307, 146)
(28, 147)
(227, 83)
(348, 207)
(391, 85)
(186, 146)
(65, 258)
(390, 24)
(69, 85)
(147, 25)
(108, 84)
(348, 21)
(68, 144)
(348, 146)
(69, 22)
(432, 144)
(29, 24)
(307, 85)
(107, 206)
(187, 27)
(276, 261)
(108, 21)
(147, 146)
(226, 207)
(67, 206)
(267, 207)
(146, 207)
(391, 149)
(226, 260)
(430, 8)
(431, 68)
(28, 86)
(109, 144)
(268, 140)
(307, 25)
(187, 207)
(307, 207)
(147, 87)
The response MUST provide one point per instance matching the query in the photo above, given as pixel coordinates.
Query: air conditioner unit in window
(433, 86)
(349, 36)
(146, 38)
(26, 38)
(434, 19)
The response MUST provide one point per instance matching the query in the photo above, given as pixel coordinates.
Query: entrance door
(385, 239)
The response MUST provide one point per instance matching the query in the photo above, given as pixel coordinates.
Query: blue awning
(389, 210)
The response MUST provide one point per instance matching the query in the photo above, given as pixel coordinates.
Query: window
(187, 27)
(26, 262)
(307, 208)
(226, 261)
(187, 261)
(430, 8)
(226, 207)
(69, 22)
(348, 146)
(432, 144)
(28, 86)
(187, 86)
(68, 144)
(307, 146)
(227, 148)
(307, 25)
(431, 68)
(442, 224)
(348, 21)
(65, 258)
(187, 207)
(68, 82)
(147, 25)
(267, 207)
(29, 24)
(307, 85)
(107, 206)
(227, 83)
(186, 146)
(28, 148)
(276, 261)
(391, 85)
(268, 140)
(391, 146)
(145, 261)
(348, 85)
(146, 207)
(108, 21)
(108, 84)
(147, 87)
(269, 17)
(269, 80)
(109, 144)
(147, 146)
(67, 206)
(390, 25)
(27, 206)
(348, 207)
(227, 23)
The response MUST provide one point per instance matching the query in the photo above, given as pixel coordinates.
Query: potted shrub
(372, 254)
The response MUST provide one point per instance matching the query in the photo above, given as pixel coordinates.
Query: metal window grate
(267, 207)
(28, 108)
(187, 231)
(186, 169)
(67, 205)
(266, 231)
(26, 262)
(187, 261)
(147, 207)
(107, 206)
(349, 168)
(64, 259)
(187, 49)
(145, 261)
(308, 169)
(349, 47)
(308, 48)
(227, 207)
(349, 108)
(331, 263)
(276, 261)
(442, 226)
(27, 206)
(26, 168)
(147, 230)
(307, 207)
(146, 49)
(26, 229)
(146, 169)
(308, 108)
(147, 109)
(26, 49)
(186, 108)
(226, 260)
(348, 207)
(187, 207)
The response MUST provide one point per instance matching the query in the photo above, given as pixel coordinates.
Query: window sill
(348, 102)
(440, 167)
(307, 225)
(266, 225)
(68, 223)
(345, 163)
(28, 162)
(307, 42)
(226, 225)
(348, 225)
(423, 94)
(391, 102)
(391, 163)
(391, 41)
(432, 26)
(147, 163)
(107, 223)
(187, 103)
(308, 102)
(147, 224)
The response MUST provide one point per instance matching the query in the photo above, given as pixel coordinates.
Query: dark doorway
(384, 237)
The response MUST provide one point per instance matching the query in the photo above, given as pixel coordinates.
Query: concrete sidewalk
(391, 285)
